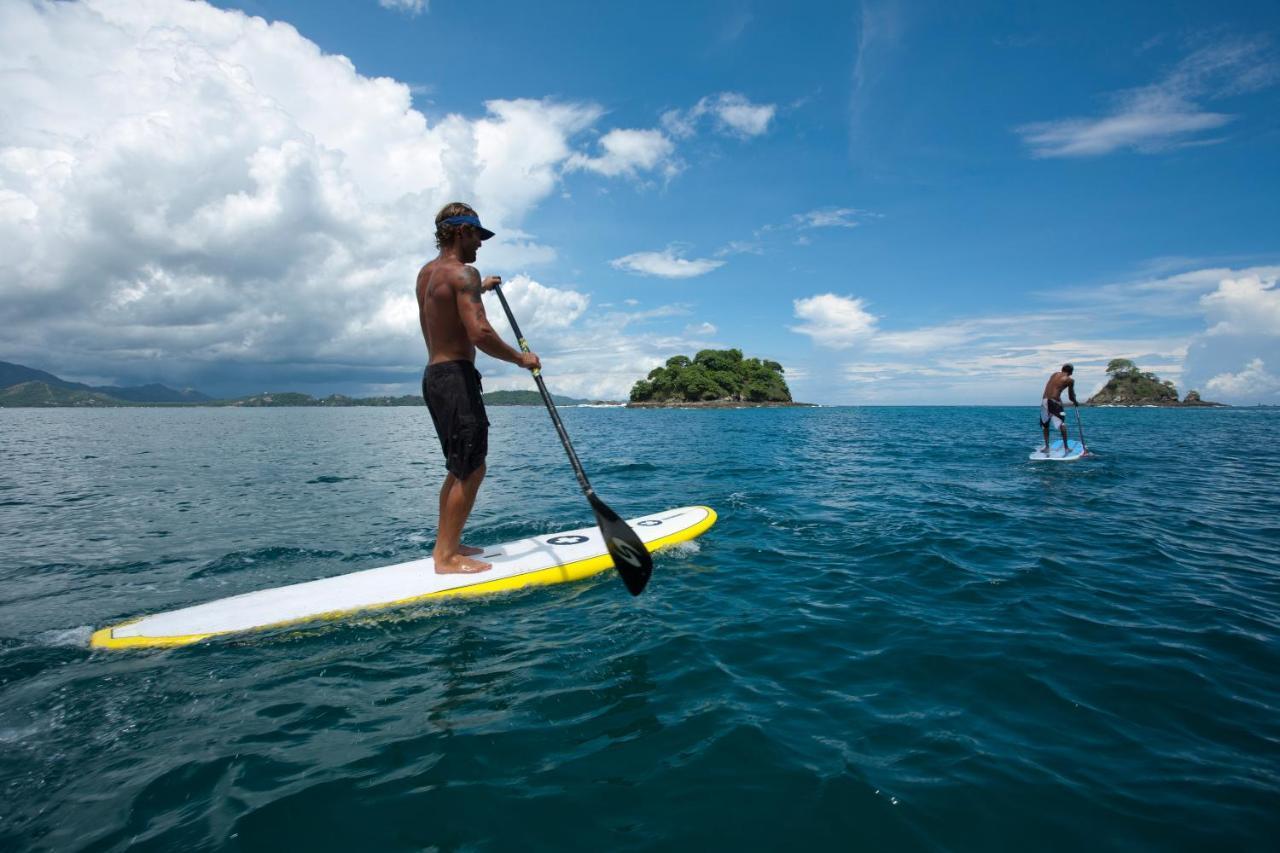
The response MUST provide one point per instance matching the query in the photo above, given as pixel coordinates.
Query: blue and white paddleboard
(552, 558)
(1075, 450)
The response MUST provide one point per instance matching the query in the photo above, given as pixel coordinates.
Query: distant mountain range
(22, 386)
(45, 389)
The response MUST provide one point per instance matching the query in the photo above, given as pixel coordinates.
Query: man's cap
(473, 221)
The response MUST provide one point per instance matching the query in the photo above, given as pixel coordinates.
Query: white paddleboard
(552, 558)
(1075, 450)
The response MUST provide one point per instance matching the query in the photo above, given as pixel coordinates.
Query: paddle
(630, 557)
(1080, 426)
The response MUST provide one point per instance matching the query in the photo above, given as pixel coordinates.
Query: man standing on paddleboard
(453, 326)
(1051, 411)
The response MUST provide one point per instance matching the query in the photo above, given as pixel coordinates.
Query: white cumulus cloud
(537, 307)
(733, 114)
(190, 193)
(590, 356)
(1242, 319)
(1250, 384)
(665, 264)
(1242, 306)
(833, 321)
(629, 152)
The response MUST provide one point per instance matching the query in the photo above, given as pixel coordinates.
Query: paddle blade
(632, 560)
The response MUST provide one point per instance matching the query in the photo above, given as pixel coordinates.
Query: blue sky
(900, 202)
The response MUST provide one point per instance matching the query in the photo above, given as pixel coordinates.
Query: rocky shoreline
(717, 404)
(1134, 401)
(1148, 404)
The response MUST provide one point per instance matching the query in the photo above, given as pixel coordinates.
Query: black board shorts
(452, 391)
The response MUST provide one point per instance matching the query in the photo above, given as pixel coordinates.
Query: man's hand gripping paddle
(630, 557)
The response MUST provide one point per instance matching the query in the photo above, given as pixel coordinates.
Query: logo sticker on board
(566, 540)
(648, 522)
(625, 551)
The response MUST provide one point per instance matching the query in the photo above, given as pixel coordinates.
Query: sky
(901, 202)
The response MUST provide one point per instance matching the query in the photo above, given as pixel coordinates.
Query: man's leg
(457, 497)
(470, 488)
(449, 482)
(1045, 428)
(1066, 448)
(444, 492)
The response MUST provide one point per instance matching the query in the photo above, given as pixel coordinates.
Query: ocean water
(901, 635)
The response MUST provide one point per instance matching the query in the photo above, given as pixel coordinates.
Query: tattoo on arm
(471, 286)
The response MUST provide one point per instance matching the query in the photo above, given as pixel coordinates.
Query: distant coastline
(38, 395)
(26, 387)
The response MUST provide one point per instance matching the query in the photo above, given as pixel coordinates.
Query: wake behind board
(552, 558)
(1075, 450)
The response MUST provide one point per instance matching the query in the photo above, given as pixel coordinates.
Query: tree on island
(1121, 367)
(714, 375)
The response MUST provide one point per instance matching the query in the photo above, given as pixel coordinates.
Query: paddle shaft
(546, 398)
(630, 556)
(1080, 427)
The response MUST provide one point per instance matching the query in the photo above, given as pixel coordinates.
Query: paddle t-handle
(630, 557)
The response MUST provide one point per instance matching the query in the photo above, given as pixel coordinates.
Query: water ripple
(879, 646)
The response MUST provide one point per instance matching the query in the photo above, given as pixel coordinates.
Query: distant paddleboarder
(1051, 412)
(453, 326)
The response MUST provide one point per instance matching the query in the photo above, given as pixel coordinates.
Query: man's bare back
(442, 284)
(1058, 383)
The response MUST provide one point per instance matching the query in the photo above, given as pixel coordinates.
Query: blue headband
(473, 221)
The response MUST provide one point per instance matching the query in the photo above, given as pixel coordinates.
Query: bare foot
(1044, 450)
(460, 565)
(468, 551)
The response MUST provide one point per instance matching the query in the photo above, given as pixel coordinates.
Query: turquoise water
(901, 635)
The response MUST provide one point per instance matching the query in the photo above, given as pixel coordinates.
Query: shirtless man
(453, 325)
(1051, 411)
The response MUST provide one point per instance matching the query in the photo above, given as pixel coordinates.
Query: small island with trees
(713, 379)
(1130, 386)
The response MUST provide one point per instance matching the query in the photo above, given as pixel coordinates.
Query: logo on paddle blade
(625, 551)
(566, 540)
